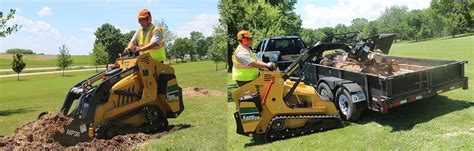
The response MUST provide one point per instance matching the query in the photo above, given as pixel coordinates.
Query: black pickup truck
(353, 92)
(280, 50)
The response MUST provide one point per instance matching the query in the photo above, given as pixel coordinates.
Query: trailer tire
(346, 106)
(324, 90)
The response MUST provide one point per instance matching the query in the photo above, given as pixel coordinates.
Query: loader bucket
(73, 133)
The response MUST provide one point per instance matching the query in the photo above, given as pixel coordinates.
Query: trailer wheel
(346, 106)
(324, 90)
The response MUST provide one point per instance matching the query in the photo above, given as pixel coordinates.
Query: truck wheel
(346, 106)
(324, 90)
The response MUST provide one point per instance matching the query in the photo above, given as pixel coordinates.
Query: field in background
(443, 121)
(22, 101)
(35, 61)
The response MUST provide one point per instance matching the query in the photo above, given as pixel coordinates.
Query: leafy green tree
(434, 22)
(262, 18)
(4, 29)
(341, 28)
(371, 29)
(17, 64)
(415, 20)
(358, 24)
(181, 47)
(457, 14)
(197, 39)
(311, 36)
(327, 30)
(232, 14)
(393, 20)
(23, 51)
(99, 55)
(112, 40)
(64, 58)
(218, 46)
(126, 37)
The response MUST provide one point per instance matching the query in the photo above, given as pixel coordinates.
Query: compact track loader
(279, 105)
(284, 104)
(137, 94)
(281, 108)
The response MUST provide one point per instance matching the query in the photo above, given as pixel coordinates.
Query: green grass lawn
(32, 62)
(22, 101)
(441, 122)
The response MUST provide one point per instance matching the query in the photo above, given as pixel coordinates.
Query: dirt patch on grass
(39, 135)
(195, 91)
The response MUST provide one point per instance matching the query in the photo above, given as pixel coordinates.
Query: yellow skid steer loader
(137, 94)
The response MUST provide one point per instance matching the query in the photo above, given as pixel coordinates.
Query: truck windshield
(285, 46)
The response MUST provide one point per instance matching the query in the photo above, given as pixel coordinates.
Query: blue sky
(48, 24)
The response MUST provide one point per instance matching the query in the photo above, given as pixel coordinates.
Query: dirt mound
(195, 91)
(39, 135)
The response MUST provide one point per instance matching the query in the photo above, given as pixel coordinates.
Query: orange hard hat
(243, 34)
(144, 13)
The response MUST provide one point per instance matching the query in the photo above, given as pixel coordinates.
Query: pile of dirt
(383, 67)
(195, 91)
(39, 135)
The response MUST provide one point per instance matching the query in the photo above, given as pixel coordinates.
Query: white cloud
(344, 12)
(40, 28)
(45, 11)
(77, 45)
(42, 37)
(203, 23)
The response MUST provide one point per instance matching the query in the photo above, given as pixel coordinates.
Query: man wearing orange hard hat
(149, 38)
(245, 64)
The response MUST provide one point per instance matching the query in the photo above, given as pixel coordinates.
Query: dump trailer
(418, 79)
(429, 78)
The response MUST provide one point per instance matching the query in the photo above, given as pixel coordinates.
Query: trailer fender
(333, 82)
(357, 94)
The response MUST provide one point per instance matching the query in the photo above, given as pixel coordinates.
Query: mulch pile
(38, 135)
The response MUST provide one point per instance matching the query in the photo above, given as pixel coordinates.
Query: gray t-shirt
(244, 56)
(155, 38)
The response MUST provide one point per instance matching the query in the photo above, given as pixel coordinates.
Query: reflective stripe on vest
(158, 53)
(240, 71)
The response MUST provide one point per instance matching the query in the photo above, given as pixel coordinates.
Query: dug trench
(38, 134)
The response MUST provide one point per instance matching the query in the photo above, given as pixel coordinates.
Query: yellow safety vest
(158, 53)
(240, 71)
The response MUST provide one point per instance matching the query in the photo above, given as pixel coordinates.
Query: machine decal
(249, 114)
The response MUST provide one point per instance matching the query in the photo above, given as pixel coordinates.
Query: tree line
(442, 18)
